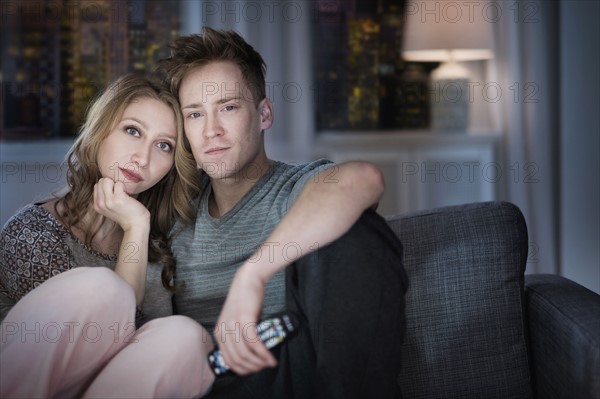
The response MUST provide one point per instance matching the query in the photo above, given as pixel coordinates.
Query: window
(58, 54)
(361, 81)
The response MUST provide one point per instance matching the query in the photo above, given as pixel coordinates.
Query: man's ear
(265, 110)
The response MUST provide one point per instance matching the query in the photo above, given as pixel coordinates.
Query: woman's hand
(235, 331)
(111, 201)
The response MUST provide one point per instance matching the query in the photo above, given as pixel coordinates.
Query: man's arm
(327, 207)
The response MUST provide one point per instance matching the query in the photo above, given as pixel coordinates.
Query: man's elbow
(370, 178)
(375, 178)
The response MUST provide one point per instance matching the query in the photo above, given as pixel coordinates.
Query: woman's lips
(131, 176)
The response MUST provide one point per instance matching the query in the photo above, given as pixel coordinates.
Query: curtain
(526, 63)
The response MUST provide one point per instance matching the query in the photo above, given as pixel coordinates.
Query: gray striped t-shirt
(209, 252)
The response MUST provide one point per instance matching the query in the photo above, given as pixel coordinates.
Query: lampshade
(447, 30)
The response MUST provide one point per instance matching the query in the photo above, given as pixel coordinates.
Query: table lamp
(448, 32)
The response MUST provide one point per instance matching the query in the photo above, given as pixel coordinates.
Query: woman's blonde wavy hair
(169, 199)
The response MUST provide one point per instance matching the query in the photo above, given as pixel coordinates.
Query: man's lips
(216, 150)
(131, 176)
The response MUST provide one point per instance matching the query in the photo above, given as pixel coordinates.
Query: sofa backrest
(466, 329)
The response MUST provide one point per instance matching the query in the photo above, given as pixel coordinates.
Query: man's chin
(220, 170)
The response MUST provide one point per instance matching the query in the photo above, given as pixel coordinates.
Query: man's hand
(111, 200)
(235, 331)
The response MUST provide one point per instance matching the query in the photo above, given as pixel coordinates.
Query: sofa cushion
(466, 330)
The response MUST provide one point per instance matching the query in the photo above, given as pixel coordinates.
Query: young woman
(72, 331)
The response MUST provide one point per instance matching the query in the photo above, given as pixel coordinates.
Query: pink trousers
(74, 336)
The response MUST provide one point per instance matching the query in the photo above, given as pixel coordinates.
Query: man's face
(222, 121)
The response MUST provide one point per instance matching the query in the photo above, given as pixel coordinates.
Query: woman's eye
(194, 115)
(230, 107)
(167, 147)
(132, 131)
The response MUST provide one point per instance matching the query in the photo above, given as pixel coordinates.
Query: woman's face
(140, 150)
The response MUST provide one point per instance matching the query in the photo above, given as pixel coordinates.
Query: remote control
(272, 331)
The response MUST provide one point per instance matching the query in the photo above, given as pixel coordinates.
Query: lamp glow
(448, 32)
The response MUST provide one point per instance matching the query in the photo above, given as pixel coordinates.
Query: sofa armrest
(564, 330)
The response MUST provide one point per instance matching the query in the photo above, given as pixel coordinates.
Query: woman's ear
(265, 109)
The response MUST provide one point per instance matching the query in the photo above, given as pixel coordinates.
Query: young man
(271, 237)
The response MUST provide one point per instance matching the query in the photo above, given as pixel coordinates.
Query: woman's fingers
(103, 194)
(111, 200)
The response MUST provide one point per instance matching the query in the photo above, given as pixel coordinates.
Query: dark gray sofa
(477, 326)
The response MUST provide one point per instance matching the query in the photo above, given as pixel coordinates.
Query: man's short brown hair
(192, 51)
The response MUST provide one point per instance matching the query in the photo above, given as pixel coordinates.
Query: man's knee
(370, 240)
(369, 254)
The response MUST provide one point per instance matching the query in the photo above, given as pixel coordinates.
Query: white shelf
(422, 169)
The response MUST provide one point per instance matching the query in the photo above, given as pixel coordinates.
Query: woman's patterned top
(35, 246)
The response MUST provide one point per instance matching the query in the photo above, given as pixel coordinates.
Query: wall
(580, 143)
(30, 171)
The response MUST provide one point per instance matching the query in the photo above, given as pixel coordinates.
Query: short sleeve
(32, 250)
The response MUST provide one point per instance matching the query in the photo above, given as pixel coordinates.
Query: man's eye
(230, 107)
(167, 147)
(195, 115)
(132, 131)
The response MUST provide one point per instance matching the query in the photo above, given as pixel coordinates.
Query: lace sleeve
(32, 249)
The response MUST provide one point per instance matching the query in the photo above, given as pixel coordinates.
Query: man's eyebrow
(222, 100)
(227, 99)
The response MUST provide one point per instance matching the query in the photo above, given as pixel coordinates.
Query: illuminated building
(361, 81)
(58, 54)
